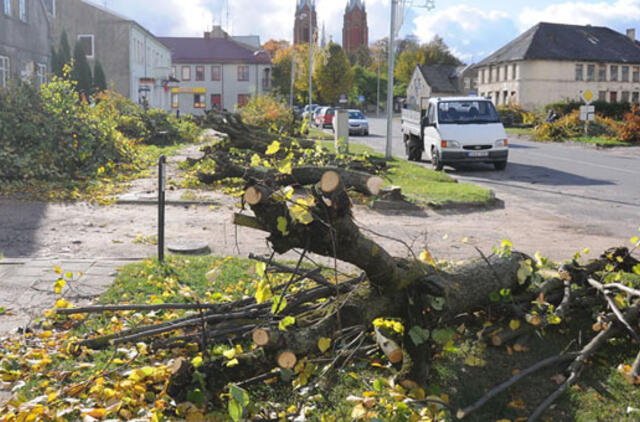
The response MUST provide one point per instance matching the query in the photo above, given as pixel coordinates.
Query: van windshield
(467, 112)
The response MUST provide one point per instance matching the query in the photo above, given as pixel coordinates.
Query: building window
(624, 97)
(22, 8)
(216, 73)
(87, 43)
(579, 72)
(602, 73)
(50, 5)
(625, 74)
(636, 74)
(216, 102)
(175, 102)
(243, 100)
(613, 97)
(266, 79)
(614, 74)
(635, 97)
(41, 74)
(199, 73)
(4, 71)
(174, 71)
(514, 71)
(186, 73)
(7, 7)
(199, 101)
(602, 95)
(243, 73)
(591, 72)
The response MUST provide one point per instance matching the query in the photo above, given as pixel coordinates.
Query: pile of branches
(255, 153)
(421, 295)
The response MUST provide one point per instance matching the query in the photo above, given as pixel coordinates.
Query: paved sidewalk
(27, 285)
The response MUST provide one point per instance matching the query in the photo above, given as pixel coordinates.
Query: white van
(456, 130)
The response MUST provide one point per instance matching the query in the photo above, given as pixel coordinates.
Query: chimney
(631, 33)
(216, 32)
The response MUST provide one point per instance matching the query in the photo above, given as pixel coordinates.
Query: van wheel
(415, 149)
(500, 165)
(435, 160)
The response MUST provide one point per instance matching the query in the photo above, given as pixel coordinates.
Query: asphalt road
(597, 189)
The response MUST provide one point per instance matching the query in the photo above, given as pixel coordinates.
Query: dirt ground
(81, 230)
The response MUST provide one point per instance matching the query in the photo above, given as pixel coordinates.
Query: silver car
(358, 124)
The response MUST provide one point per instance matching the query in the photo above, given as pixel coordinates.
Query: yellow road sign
(587, 96)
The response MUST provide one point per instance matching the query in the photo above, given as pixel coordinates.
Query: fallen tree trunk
(362, 182)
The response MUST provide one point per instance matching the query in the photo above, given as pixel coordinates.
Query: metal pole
(310, 60)
(378, 93)
(392, 40)
(293, 64)
(161, 205)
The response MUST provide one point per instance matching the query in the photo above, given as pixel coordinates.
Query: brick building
(355, 32)
(301, 29)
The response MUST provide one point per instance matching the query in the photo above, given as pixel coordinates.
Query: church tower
(301, 28)
(355, 32)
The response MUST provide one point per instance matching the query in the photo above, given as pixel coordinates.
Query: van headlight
(502, 143)
(450, 144)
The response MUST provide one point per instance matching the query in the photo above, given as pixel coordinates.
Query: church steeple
(301, 29)
(355, 32)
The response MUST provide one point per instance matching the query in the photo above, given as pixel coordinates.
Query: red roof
(213, 50)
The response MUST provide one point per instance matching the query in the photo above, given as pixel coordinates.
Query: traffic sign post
(587, 112)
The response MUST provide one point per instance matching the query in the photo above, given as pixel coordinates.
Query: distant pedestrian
(552, 116)
(178, 114)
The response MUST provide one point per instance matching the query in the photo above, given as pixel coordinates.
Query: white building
(136, 64)
(217, 71)
(555, 62)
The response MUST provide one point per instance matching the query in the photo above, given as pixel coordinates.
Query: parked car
(306, 112)
(457, 130)
(358, 124)
(324, 117)
(314, 112)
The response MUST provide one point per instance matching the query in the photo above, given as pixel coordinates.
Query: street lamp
(397, 20)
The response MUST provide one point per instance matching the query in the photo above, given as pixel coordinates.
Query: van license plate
(479, 154)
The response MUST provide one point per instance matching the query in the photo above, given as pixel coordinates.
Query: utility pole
(378, 88)
(312, 5)
(392, 40)
(293, 63)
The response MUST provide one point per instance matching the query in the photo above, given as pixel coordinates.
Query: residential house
(135, 62)
(556, 62)
(25, 40)
(217, 71)
(439, 80)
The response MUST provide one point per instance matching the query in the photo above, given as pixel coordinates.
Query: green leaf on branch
(286, 322)
(438, 303)
(239, 394)
(263, 292)
(442, 336)
(235, 410)
(282, 226)
(279, 304)
(196, 397)
(273, 148)
(525, 270)
(419, 335)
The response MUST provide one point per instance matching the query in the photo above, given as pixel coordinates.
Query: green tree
(406, 64)
(282, 72)
(99, 78)
(302, 71)
(56, 64)
(81, 72)
(365, 83)
(64, 53)
(437, 52)
(333, 73)
(362, 57)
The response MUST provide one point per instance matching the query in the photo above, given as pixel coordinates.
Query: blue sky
(473, 29)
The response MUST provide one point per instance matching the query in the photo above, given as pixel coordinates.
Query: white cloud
(615, 14)
(470, 32)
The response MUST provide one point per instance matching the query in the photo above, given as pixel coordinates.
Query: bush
(268, 112)
(515, 115)
(50, 134)
(614, 111)
(152, 127)
(570, 126)
(629, 130)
